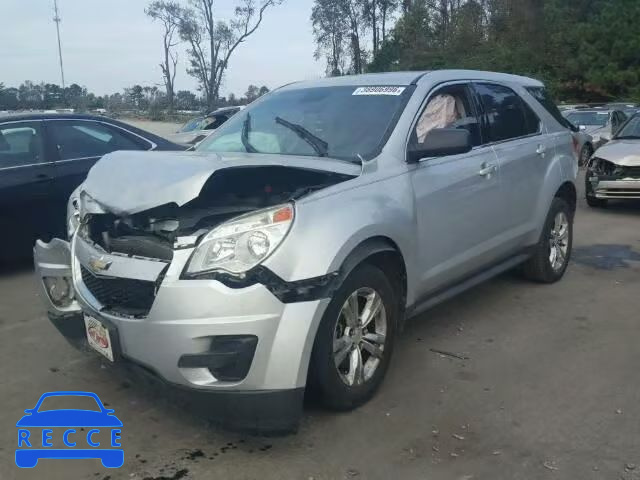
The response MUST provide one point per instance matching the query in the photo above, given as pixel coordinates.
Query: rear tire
(553, 251)
(350, 356)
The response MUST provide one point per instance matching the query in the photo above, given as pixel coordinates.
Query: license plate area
(101, 337)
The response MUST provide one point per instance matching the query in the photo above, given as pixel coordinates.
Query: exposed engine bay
(228, 193)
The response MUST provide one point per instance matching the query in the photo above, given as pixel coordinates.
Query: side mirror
(582, 128)
(441, 142)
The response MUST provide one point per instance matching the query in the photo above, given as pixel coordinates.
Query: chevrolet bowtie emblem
(99, 264)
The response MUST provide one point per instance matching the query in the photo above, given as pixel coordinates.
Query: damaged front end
(136, 211)
(607, 179)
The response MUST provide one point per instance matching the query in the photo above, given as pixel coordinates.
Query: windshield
(348, 123)
(192, 124)
(631, 129)
(588, 118)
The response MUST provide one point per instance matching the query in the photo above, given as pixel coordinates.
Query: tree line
(210, 43)
(585, 50)
(49, 96)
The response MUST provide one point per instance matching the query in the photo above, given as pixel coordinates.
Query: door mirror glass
(441, 142)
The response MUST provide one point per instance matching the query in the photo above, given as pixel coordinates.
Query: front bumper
(187, 320)
(615, 188)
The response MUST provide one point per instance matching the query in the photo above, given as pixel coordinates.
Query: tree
(8, 98)
(168, 13)
(212, 43)
(263, 90)
(330, 31)
(186, 100)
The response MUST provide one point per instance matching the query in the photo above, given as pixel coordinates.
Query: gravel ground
(548, 389)
(164, 129)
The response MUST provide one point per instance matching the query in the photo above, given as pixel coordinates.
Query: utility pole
(56, 19)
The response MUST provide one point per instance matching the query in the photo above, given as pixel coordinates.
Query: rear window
(543, 97)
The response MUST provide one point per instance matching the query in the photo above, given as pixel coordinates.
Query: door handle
(487, 169)
(541, 150)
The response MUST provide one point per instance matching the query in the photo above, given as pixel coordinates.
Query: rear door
(79, 144)
(25, 184)
(516, 134)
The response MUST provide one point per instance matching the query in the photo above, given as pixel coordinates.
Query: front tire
(590, 197)
(553, 251)
(355, 339)
(585, 155)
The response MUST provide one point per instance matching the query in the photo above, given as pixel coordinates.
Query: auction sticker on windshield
(378, 90)
(98, 336)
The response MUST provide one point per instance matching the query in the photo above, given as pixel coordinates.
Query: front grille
(120, 295)
(633, 172)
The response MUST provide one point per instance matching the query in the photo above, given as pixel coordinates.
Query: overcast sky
(108, 45)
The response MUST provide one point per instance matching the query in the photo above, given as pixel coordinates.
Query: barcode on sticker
(378, 90)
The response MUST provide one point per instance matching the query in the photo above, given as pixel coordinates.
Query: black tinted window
(505, 113)
(79, 139)
(20, 144)
(543, 97)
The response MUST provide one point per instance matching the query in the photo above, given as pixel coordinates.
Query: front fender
(327, 229)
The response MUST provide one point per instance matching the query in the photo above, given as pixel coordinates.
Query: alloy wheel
(359, 336)
(559, 241)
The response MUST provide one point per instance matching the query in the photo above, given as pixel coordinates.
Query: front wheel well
(383, 253)
(567, 192)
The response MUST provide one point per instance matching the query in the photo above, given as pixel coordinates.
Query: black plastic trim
(229, 357)
(287, 292)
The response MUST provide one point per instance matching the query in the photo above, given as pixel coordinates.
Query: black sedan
(43, 158)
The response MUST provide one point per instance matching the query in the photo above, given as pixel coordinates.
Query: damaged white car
(613, 173)
(290, 247)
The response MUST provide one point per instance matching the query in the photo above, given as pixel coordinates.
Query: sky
(108, 45)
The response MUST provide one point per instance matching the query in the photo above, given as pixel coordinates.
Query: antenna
(56, 19)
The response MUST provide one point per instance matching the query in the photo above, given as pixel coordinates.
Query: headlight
(73, 214)
(242, 243)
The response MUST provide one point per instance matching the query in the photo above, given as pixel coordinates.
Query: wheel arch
(384, 253)
(568, 193)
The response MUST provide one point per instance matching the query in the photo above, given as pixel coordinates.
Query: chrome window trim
(149, 142)
(153, 145)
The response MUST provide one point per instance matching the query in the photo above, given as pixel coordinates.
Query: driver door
(458, 200)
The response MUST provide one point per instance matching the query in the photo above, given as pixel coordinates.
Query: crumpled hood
(621, 152)
(127, 182)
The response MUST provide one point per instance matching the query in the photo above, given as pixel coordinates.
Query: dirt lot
(549, 388)
(164, 129)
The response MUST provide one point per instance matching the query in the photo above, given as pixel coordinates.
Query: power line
(56, 19)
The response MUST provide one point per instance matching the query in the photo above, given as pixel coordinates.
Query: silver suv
(288, 250)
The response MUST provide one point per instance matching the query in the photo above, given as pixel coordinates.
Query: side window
(505, 113)
(82, 139)
(532, 122)
(449, 107)
(20, 144)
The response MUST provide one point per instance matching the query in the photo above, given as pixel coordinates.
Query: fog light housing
(229, 357)
(59, 290)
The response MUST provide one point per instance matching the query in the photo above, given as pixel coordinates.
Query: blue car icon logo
(74, 427)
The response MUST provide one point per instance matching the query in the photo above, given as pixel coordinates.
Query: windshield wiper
(628, 137)
(244, 136)
(320, 146)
